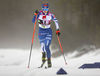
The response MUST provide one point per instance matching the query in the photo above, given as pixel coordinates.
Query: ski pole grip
(36, 13)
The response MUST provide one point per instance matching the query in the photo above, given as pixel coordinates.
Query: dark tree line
(80, 22)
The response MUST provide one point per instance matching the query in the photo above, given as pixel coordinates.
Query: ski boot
(43, 57)
(49, 63)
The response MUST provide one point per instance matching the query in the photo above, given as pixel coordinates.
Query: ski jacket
(44, 20)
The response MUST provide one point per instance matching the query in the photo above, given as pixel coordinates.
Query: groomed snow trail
(14, 63)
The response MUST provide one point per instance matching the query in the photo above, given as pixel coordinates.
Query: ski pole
(32, 41)
(61, 49)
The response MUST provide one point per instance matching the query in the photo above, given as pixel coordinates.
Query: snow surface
(14, 62)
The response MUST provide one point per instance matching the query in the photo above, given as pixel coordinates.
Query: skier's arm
(56, 21)
(57, 25)
(33, 20)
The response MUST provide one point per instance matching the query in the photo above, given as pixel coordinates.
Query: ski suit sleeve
(33, 20)
(56, 21)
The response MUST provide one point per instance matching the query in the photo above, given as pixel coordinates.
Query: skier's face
(45, 10)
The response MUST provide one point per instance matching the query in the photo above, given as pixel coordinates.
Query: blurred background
(79, 22)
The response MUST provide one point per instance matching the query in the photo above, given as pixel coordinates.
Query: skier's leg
(49, 63)
(43, 52)
(42, 40)
(47, 45)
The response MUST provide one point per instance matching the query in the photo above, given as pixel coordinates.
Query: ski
(47, 67)
(44, 67)
(42, 64)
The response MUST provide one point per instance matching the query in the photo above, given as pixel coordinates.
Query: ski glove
(58, 32)
(36, 12)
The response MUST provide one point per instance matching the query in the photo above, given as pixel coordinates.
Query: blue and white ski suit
(45, 32)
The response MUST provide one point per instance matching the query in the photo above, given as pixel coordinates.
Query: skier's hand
(58, 32)
(36, 12)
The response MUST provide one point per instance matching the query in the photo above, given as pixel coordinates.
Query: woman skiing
(45, 33)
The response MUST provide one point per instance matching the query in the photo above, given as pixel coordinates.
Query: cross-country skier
(45, 33)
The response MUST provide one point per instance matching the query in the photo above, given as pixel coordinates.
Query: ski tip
(66, 63)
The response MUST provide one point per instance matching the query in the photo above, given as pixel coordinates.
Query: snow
(14, 62)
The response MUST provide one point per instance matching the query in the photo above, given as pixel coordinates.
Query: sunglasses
(45, 9)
